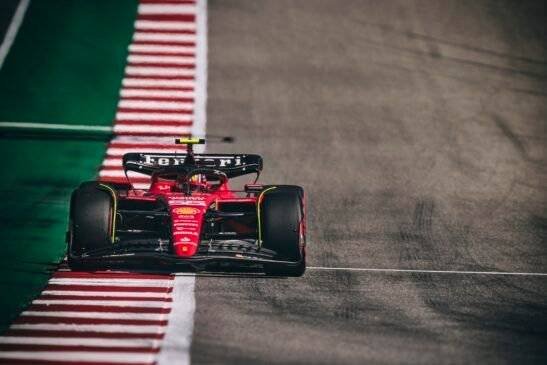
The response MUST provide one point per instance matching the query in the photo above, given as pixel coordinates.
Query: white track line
(145, 129)
(160, 59)
(13, 28)
(144, 116)
(83, 356)
(144, 140)
(56, 126)
(166, 9)
(160, 48)
(113, 161)
(107, 293)
(105, 303)
(152, 104)
(64, 341)
(107, 328)
(159, 71)
(121, 151)
(175, 348)
(136, 82)
(462, 272)
(144, 93)
(96, 315)
(113, 282)
(163, 37)
(163, 25)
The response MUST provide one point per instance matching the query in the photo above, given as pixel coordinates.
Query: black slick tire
(91, 219)
(281, 216)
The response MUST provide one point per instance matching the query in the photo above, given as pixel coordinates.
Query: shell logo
(186, 211)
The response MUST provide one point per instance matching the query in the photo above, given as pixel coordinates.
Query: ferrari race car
(189, 217)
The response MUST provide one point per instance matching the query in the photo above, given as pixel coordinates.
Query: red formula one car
(188, 217)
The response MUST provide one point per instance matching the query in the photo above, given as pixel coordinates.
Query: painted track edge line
(176, 344)
(417, 271)
(13, 29)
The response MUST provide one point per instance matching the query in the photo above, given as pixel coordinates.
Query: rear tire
(91, 219)
(281, 216)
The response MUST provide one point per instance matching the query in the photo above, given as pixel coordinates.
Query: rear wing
(231, 165)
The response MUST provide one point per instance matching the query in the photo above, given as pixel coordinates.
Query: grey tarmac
(418, 129)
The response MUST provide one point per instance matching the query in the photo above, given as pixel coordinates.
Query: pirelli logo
(186, 211)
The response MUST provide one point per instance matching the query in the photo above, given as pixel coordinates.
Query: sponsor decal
(188, 233)
(230, 161)
(163, 161)
(162, 187)
(186, 211)
(196, 201)
(186, 198)
(182, 228)
(198, 204)
(174, 160)
(185, 224)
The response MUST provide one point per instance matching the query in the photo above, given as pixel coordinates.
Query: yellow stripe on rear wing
(188, 140)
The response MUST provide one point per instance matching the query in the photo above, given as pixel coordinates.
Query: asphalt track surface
(418, 129)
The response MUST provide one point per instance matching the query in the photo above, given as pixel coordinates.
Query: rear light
(185, 249)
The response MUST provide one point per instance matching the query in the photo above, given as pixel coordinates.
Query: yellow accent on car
(115, 201)
(189, 140)
(258, 202)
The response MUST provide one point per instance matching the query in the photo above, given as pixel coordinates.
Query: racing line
(116, 317)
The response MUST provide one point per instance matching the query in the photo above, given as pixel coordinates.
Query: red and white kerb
(158, 94)
(115, 317)
(92, 318)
